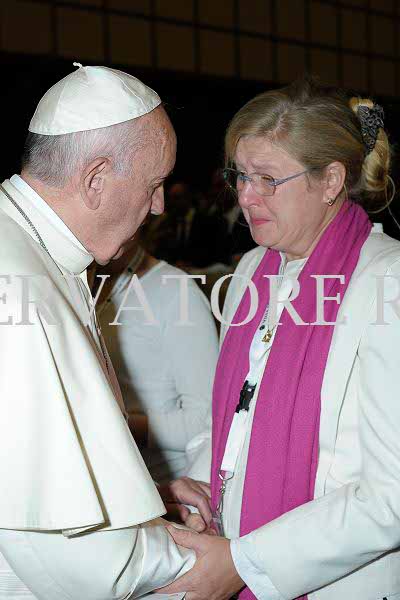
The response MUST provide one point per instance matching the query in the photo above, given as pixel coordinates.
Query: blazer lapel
(356, 308)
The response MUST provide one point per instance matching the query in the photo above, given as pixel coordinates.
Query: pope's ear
(93, 182)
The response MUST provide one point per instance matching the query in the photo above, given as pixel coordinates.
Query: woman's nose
(247, 196)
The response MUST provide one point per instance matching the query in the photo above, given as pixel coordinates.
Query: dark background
(229, 42)
(199, 107)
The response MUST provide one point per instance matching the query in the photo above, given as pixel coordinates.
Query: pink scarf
(283, 453)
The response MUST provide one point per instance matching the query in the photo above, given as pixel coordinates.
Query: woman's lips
(259, 221)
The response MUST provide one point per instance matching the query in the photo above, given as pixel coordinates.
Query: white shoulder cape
(68, 460)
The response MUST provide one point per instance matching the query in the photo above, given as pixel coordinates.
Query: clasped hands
(213, 576)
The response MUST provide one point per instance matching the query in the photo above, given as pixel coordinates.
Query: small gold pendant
(267, 337)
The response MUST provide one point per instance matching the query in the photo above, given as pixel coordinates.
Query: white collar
(61, 243)
(44, 208)
(292, 267)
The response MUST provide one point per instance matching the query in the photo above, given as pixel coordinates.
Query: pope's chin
(101, 261)
(104, 259)
(119, 253)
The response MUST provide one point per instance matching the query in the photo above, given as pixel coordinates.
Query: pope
(79, 513)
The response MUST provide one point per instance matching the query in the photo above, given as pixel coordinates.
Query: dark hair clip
(371, 120)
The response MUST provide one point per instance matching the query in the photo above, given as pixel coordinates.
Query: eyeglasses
(263, 184)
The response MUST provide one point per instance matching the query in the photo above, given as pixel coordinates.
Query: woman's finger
(183, 511)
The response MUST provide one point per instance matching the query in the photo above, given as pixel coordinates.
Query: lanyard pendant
(217, 520)
(217, 514)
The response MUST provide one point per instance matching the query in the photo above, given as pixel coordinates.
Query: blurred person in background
(199, 231)
(165, 369)
(169, 235)
(219, 236)
(234, 238)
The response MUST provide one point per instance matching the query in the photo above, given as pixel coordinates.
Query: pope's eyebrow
(167, 175)
(162, 177)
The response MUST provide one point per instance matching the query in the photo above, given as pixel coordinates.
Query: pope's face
(130, 198)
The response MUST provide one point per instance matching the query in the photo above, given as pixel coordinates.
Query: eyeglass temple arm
(279, 181)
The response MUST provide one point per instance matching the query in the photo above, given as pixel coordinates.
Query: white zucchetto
(90, 98)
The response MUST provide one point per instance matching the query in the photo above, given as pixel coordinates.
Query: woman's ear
(93, 181)
(335, 177)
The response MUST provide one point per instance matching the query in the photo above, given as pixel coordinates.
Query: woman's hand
(183, 491)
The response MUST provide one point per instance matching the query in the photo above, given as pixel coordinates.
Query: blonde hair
(317, 127)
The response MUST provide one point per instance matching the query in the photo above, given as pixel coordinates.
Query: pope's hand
(214, 576)
(183, 491)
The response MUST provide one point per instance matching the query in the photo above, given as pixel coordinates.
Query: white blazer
(342, 545)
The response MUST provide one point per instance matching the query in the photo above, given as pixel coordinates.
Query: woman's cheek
(246, 215)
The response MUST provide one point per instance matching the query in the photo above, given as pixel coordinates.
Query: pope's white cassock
(69, 463)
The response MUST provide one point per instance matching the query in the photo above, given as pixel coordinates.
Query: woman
(306, 473)
(165, 369)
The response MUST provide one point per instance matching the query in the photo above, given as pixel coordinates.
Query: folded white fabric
(11, 587)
